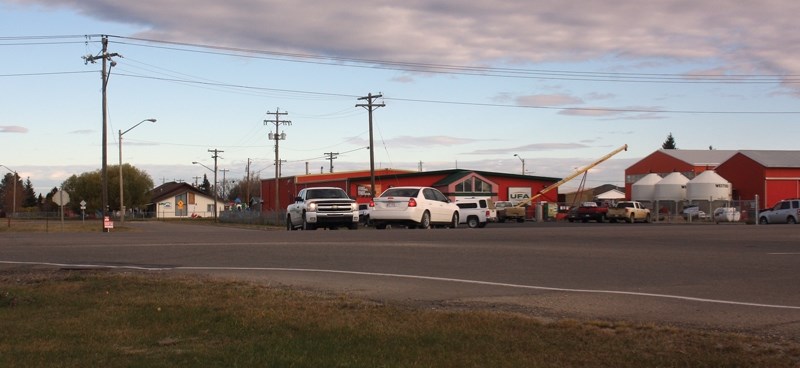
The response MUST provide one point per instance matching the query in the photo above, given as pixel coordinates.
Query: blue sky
(561, 84)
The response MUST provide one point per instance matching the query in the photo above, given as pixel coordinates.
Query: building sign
(363, 190)
(519, 194)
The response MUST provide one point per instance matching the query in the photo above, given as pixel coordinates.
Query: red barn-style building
(453, 183)
(772, 175)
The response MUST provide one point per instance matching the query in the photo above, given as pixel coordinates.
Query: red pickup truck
(590, 211)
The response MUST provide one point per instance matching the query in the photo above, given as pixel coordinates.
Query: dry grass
(63, 318)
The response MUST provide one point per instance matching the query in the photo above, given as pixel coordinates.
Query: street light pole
(121, 198)
(523, 163)
(215, 180)
(14, 199)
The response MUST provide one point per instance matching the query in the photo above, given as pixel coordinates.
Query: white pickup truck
(628, 211)
(327, 207)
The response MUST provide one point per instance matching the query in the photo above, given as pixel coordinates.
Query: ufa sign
(519, 194)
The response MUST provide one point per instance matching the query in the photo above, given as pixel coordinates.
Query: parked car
(693, 212)
(786, 211)
(629, 211)
(590, 211)
(414, 207)
(727, 214)
(473, 212)
(508, 211)
(326, 207)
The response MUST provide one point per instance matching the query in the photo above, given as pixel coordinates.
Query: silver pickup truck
(327, 207)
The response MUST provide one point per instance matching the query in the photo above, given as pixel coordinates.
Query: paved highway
(728, 277)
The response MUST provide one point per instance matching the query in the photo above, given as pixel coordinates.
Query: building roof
(711, 158)
(774, 158)
(455, 174)
(172, 188)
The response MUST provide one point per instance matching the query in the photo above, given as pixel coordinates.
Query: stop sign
(61, 198)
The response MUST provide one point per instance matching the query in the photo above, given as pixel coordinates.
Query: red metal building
(772, 175)
(453, 183)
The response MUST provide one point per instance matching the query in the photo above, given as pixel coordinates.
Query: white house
(181, 200)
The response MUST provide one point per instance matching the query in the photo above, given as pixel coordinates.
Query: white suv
(786, 211)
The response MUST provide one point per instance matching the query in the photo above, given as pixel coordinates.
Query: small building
(181, 200)
(771, 175)
(453, 183)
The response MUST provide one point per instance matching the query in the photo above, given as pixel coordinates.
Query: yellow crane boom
(573, 175)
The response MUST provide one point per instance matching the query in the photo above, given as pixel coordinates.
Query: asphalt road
(726, 277)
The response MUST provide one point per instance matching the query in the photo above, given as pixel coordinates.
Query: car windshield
(326, 193)
(401, 192)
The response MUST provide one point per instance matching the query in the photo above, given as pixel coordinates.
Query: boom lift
(572, 176)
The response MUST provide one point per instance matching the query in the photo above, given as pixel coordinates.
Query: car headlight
(312, 207)
(354, 206)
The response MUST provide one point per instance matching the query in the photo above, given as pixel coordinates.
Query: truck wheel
(425, 222)
(632, 219)
(472, 222)
(289, 225)
(790, 220)
(307, 225)
(763, 221)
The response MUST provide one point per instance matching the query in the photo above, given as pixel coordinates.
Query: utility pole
(332, 156)
(196, 178)
(105, 56)
(371, 106)
(247, 184)
(224, 186)
(277, 137)
(216, 155)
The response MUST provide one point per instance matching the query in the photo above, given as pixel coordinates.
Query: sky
(471, 85)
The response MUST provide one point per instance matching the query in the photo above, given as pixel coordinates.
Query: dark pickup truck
(590, 211)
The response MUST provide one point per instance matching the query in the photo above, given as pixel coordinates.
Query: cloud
(736, 36)
(548, 100)
(12, 129)
(529, 148)
(418, 141)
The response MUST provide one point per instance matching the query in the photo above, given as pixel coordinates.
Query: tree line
(87, 187)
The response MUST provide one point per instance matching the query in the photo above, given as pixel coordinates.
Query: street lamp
(523, 163)
(121, 201)
(14, 200)
(215, 186)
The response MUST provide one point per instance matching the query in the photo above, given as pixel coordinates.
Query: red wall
(746, 177)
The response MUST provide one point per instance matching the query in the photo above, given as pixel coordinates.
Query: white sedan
(414, 207)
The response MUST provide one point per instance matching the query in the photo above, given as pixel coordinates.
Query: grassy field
(52, 318)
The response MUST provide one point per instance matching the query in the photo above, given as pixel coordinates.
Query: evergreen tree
(669, 143)
(206, 186)
(29, 195)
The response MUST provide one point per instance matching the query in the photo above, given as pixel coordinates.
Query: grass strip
(110, 319)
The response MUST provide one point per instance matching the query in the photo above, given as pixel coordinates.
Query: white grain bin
(708, 186)
(643, 190)
(671, 188)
